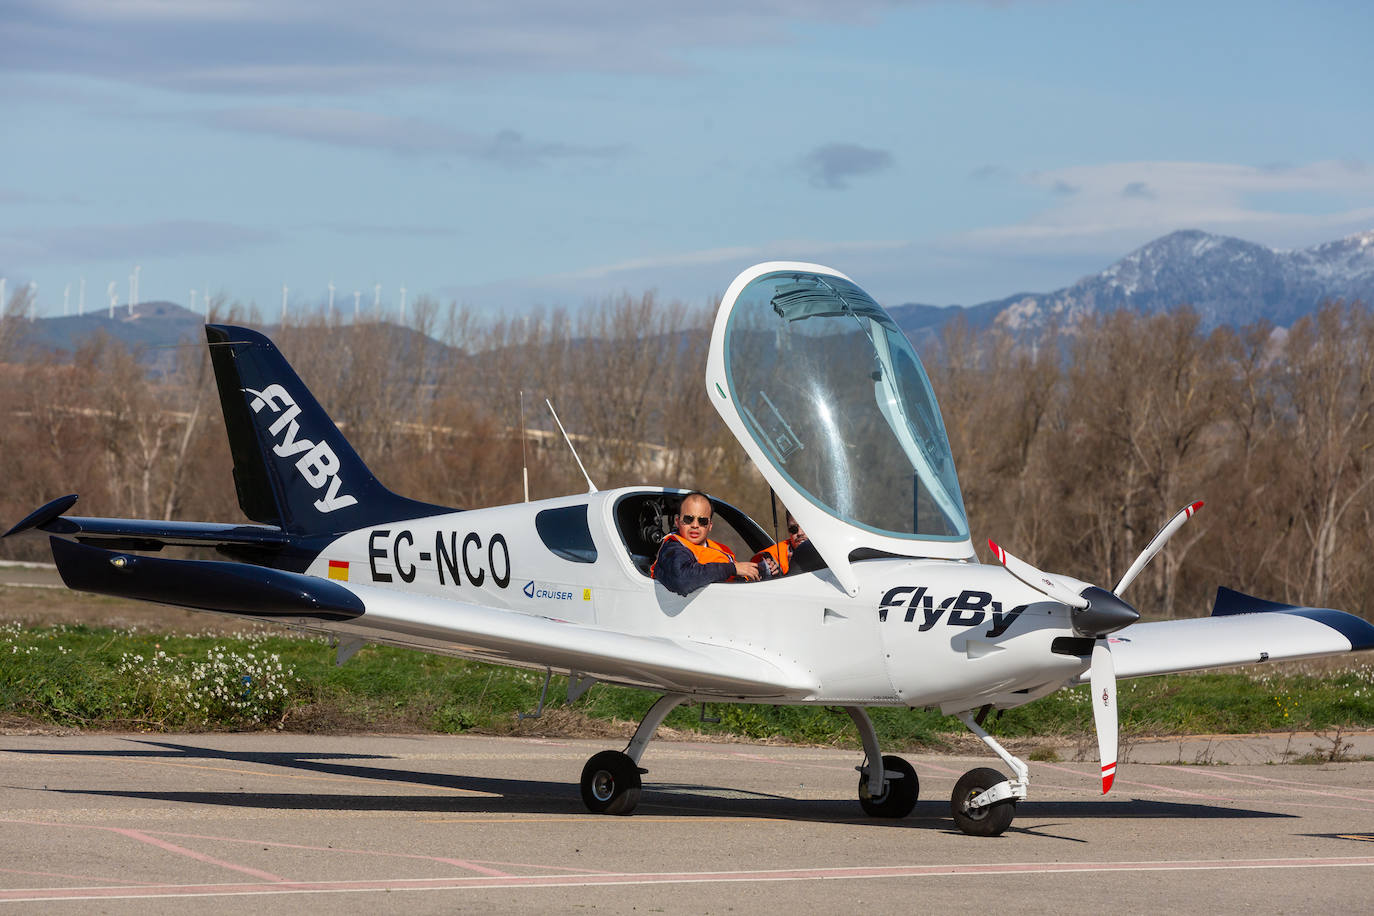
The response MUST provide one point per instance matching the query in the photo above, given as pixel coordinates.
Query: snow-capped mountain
(1227, 280)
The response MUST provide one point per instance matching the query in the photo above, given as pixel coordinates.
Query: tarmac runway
(275, 823)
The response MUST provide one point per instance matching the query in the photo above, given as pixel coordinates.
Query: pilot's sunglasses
(690, 519)
(793, 529)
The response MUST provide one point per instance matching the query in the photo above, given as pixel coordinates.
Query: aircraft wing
(1242, 630)
(429, 623)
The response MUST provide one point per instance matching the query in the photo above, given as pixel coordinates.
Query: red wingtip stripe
(1195, 506)
(1107, 783)
(997, 551)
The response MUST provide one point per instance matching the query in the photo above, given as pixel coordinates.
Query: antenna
(524, 458)
(591, 487)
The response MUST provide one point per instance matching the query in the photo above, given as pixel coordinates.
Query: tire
(898, 796)
(990, 820)
(610, 783)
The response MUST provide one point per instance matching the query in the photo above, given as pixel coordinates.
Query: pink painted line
(58, 874)
(1213, 796)
(763, 758)
(460, 863)
(153, 841)
(587, 880)
(563, 868)
(192, 854)
(1242, 777)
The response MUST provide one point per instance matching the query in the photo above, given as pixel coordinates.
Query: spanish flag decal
(338, 569)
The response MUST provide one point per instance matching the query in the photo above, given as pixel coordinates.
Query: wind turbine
(193, 300)
(33, 300)
(331, 299)
(283, 305)
(403, 304)
(114, 298)
(66, 298)
(356, 296)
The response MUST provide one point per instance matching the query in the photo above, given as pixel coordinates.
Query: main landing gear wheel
(610, 783)
(898, 796)
(989, 820)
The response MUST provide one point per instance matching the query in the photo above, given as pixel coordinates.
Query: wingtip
(1108, 777)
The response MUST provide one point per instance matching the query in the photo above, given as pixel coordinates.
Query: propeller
(1096, 612)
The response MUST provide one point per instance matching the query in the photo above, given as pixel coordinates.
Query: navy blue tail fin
(292, 466)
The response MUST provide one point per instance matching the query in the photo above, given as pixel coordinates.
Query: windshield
(832, 391)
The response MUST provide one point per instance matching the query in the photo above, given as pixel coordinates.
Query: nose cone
(1105, 613)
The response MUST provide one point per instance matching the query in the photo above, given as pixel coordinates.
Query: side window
(566, 533)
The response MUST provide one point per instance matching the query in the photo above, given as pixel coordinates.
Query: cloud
(330, 46)
(1123, 204)
(172, 238)
(831, 166)
(407, 136)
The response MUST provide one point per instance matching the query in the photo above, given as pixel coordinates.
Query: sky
(511, 155)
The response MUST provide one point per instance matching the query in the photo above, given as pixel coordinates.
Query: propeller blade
(1156, 545)
(1042, 582)
(1103, 679)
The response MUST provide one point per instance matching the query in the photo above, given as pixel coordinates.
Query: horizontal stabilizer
(235, 588)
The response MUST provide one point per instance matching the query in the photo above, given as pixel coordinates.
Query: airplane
(888, 604)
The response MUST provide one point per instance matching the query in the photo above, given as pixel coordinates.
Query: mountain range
(1228, 281)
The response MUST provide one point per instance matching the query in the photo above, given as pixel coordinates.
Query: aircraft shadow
(532, 796)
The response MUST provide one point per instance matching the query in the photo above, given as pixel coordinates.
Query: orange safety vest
(710, 552)
(779, 552)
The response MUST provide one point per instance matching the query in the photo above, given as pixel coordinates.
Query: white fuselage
(918, 632)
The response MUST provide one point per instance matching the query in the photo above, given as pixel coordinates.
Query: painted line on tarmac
(649, 878)
(1320, 789)
(442, 860)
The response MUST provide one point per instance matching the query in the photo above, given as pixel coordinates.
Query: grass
(89, 677)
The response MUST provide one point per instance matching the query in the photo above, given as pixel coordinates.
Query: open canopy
(826, 394)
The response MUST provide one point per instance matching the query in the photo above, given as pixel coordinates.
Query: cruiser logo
(318, 465)
(969, 608)
(546, 593)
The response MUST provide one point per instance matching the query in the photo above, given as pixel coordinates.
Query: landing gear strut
(984, 801)
(896, 777)
(610, 780)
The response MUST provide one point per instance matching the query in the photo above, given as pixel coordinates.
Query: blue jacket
(681, 573)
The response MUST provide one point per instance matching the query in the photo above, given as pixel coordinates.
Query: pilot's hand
(772, 564)
(749, 572)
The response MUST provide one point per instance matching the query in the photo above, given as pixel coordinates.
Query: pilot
(778, 558)
(687, 560)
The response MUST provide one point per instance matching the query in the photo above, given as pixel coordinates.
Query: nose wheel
(981, 819)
